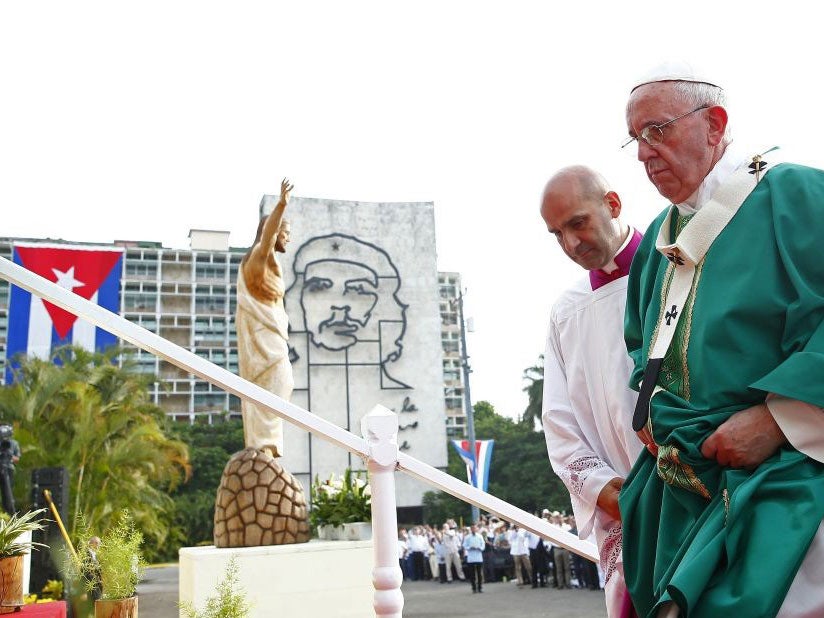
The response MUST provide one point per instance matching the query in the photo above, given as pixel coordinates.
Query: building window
(146, 364)
(449, 342)
(449, 291)
(149, 322)
(143, 270)
(213, 402)
(454, 403)
(234, 406)
(210, 271)
(451, 375)
(210, 304)
(139, 301)
(207, 330)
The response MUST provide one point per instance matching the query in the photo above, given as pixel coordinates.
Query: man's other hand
(608, 498)
(745, 439)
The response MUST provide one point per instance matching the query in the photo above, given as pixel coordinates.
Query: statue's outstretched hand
(285, 188)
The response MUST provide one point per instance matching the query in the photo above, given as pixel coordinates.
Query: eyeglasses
(653, 134)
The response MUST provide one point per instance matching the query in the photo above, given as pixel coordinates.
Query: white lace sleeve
(571, 456)
(575, 473)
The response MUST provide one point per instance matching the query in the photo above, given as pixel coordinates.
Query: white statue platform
(319, 578)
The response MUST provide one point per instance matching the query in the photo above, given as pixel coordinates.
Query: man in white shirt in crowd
(473, 545)
(418, 550)
(519, 550)
(452, 552)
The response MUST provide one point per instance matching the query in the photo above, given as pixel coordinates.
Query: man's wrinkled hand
(608, 498)
(746, 439)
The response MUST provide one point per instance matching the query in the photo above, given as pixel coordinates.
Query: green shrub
(229, 603)
(338, 501)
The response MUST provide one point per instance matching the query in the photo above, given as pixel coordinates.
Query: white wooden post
(380, 429)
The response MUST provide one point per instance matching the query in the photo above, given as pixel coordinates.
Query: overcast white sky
(143, 120)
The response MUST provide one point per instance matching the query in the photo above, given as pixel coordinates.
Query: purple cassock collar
(623, 259)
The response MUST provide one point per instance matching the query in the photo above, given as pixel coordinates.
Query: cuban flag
(37, 326)
(477, 463)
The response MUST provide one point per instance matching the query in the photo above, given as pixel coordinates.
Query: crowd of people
(493, 550)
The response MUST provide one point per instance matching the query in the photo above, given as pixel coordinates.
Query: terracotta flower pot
(116, 608)
(11, 584)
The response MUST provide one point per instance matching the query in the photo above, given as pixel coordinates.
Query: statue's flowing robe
(263, 357)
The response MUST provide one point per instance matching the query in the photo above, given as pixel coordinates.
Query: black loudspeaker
(44, 560)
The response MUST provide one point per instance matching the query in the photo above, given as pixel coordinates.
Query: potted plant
(115, 567)
(15, 541)
(229, 603)
(325, 516)
(342, 506)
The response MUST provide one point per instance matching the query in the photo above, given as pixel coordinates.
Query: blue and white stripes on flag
(35, 326)
(477, 463)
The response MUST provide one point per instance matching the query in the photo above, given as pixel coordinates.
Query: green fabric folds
(756, 325)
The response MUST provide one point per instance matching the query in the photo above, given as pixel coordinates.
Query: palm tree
(535, 392)
(84, 411)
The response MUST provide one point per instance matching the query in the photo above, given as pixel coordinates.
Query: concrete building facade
(449, 287)
(365, 328)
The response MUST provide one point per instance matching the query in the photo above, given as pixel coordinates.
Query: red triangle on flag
(86, 268)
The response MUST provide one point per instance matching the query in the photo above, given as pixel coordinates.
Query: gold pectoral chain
(674, 472)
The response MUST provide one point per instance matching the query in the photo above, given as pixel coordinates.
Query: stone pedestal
(319, 578)
(259, 503)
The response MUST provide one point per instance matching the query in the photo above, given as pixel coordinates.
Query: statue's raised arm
(263, 277)
(274, 221)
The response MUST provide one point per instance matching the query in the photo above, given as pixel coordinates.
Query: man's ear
(717, 117)
(613, 202)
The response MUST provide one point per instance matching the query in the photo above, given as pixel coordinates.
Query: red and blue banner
(36, 326)
(477, 463)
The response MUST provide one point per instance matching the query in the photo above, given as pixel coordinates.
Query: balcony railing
(378, 447)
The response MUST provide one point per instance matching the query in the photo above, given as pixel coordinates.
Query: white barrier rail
(380, 451)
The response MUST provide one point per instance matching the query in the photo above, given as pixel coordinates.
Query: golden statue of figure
(262, 327)
(263, 355)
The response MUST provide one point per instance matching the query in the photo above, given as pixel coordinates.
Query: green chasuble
(719, 541)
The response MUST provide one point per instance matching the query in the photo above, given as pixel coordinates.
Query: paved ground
(158, 599)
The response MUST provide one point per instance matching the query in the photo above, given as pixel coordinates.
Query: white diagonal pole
(304, 419)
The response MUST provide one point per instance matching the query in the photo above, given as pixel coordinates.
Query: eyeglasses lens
(652, 135)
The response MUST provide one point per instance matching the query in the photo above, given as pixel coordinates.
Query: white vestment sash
(686, 253)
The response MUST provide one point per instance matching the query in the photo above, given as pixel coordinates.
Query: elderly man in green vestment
(725, 324)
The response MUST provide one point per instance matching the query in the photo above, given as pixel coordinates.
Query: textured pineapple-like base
(259, 503)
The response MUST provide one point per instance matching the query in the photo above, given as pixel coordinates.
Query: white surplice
(587, 412)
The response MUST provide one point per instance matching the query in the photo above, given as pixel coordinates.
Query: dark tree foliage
(438, 506)
(94, 416)
(520, 472)
(210, 447)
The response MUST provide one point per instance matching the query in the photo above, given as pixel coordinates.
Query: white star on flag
(66, 279)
